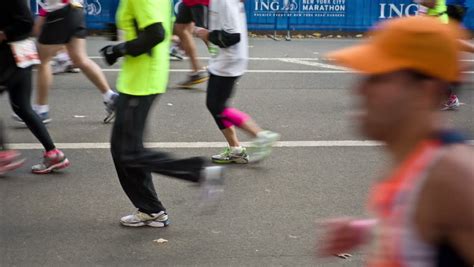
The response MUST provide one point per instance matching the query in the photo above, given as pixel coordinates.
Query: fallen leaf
(344, 256)
(160, 241)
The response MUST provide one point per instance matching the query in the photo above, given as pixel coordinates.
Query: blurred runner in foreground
(424, 207)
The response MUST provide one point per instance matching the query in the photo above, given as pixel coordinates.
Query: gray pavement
(269, 214)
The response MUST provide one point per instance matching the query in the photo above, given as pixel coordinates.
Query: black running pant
(134, 163)
(219, 91)
(19, 90)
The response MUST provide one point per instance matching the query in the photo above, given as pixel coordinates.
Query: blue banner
(330, 15)
(311, 15)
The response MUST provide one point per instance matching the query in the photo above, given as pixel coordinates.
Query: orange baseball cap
(419, 43)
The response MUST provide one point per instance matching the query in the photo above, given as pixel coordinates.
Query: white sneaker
(228, 156)
(261, 146)
(58, 66)
(266, 138)
(142, 219)
(451, 104)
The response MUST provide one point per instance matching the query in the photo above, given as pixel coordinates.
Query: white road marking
(294, 60)
(278, 71)
(274, 58)
(290, 144)
(251, 58)
(312, 64)
(260, 71)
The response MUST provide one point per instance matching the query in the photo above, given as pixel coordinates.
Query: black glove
(113, 52)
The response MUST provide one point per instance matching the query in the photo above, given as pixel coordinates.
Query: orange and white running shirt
(394, 201)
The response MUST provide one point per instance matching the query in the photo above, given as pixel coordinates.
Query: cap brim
(365, 58)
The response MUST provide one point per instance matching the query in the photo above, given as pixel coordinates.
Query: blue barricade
(330, 15)
(314, 15)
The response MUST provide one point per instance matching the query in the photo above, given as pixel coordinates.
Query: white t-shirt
(228, 15)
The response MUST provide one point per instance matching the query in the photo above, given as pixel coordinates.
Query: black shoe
(194, 78)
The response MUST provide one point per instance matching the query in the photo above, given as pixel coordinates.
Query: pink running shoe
(9, 161)
(452, 103)
(52, 160)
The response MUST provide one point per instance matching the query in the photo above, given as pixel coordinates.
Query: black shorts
(63, 24)
(197, 14)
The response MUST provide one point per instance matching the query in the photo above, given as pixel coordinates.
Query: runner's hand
(342, 235)
(112, 53)
(201, 33)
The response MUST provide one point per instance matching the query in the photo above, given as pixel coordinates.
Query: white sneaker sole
(233, 161)
(58, 166)
(154, 224)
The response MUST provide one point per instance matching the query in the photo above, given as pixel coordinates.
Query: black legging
(134, 163)
(219, 91)
(19, 90)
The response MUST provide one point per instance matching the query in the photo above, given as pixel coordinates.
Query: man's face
(385, 104)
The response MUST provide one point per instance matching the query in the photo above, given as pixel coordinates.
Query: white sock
(41, 108)
(236, 149)
(108, 95)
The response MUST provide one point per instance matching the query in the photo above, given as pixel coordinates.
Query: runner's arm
(150, 18)
(146, 40)
(452, 199)
(467, 46)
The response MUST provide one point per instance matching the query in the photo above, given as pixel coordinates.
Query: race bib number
(25, 53)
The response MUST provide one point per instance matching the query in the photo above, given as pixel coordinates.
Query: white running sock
(108, 95)
(236, 149)
(41, 108)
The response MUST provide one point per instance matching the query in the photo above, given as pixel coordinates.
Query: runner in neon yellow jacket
(436, 8)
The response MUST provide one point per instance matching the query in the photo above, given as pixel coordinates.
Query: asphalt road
(269, 214)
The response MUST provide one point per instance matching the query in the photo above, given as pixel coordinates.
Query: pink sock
(233, 116)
